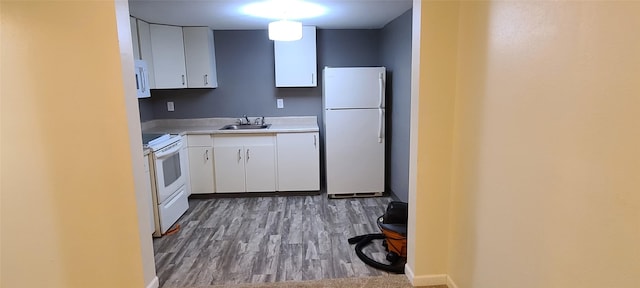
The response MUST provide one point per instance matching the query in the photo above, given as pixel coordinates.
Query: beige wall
(68, 192)
(546, 145)
(431, 143)
(143, 197)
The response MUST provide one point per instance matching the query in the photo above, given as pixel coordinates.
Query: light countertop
(212, 125)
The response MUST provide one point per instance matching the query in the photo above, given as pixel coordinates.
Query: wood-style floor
(268, 239)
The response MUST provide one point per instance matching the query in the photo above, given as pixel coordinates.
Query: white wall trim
(450, 283)
(427, 280)
(430, 280)
(409, 273)
(155, 283)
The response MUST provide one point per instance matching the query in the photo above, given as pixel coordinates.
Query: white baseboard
(426, 280)
(155, 283)
(450, 283)
(430, 280)
(409, 273)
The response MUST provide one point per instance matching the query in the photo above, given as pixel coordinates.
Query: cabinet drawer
(171, 210)
(199, 141)
(243, 140)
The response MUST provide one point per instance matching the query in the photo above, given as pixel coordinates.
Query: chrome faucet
(259, 121)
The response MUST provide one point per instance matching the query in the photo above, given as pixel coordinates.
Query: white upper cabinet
(167, 48)
(295, 61)
(134, 38)
(176, 57)
(200, 57)
(144, 37)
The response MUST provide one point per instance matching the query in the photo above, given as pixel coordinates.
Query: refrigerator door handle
(381, 89)
(380, 111)
(380, 119)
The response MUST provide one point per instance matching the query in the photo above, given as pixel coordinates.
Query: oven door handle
(169, 150)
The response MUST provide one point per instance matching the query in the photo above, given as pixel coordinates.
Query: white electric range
(168, 184)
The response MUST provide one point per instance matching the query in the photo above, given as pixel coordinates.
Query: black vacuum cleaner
(393, 225)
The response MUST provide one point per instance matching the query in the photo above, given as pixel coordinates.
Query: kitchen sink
(245, 126)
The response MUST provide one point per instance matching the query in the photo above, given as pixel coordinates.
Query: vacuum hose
(364, 240)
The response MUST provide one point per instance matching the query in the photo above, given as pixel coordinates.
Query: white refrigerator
(353, 106)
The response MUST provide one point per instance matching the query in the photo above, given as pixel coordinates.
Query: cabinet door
(134, 38)
(148, 191)
(200, 57)
(184, 163)
(201, 170)
(167, 48)
(144, 35)
(295, 61)
(298, 162)
(260, 168)
(229, 169)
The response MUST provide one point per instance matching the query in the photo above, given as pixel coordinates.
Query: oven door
(169, 171)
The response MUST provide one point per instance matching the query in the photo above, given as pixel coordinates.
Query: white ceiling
(226, 14)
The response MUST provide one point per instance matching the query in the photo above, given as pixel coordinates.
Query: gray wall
(146, 109)
(246, 77)
(396, 56)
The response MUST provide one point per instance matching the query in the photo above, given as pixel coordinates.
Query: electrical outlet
(170, 106)
(280, 103)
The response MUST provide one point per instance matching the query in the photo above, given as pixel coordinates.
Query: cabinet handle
(312, 82)
(247, 155)
(143, 81)
(239, 155)
(206, 155)
(206, 80)
(315, 142)
(183, 79)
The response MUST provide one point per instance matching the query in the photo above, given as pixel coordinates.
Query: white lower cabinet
(260, 168)
(244, 163)
(200, 150)
(236, 163)
(148, 191)
(229, 164)
(298, 161)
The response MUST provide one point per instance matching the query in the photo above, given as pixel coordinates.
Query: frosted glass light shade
(285, 30)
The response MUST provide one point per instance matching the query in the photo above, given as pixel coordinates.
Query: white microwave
(142, 79)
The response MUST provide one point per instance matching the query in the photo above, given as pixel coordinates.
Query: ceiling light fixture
(285, 30)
